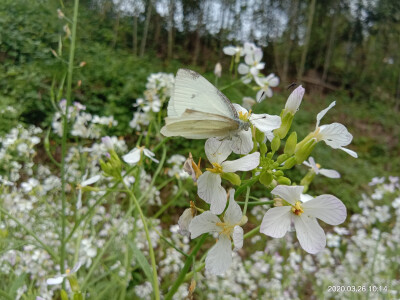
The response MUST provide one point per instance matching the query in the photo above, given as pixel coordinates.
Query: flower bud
(218, 69)
(275, 144)
(281, 158)
(304, 152)
(290, 163)
(266, 178)
(287, 118)
(232, 178)
(291, 142)
(260, 136)
(284, 180)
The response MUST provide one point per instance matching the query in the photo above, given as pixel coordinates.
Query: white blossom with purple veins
(277, 220)
(219, 258)
(242, 142)
(266, 83)
(335, 135)
(209, 183)
(318, 170)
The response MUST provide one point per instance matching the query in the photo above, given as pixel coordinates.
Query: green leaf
(142, 261)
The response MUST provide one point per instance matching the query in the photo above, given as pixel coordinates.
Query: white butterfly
(198, 110)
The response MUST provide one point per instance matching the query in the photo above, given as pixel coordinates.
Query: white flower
(242, 143)
(209, 183)
(133, 157)
(218, 70)
(59, 279)
(318, 170)
(232, 50)
(277, 220)
(253, 65)
(294, 100)
(84, 183)
(107, 142)
(335, 135)
(266, 83)
(219, 258)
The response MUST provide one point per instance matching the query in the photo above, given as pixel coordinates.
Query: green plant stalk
(64, 136)
(246, 202)
(151, 250)
(255, 203)
(31, 233)
(182, 275)
(231, 84)
(169, 203)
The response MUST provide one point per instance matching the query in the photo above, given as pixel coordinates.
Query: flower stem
(255, 203)
(151, 250)
(64, 136)
(246, 202)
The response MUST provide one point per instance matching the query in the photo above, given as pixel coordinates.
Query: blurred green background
(346, 51)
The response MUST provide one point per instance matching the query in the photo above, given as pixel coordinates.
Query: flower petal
(219, 258)
(261, 95)
(310, 235)
(184, 222)
(91, 180)
(245, 163)
(132, 157)
(217, 150)
(265, 122)
(350, 152)
(150, 155)
(289, 193)
(335, 135)
(249, 59)
(233, 213)
(242, 143)
(322, 113)
(206, 222)
(327, 208)
(276, 221)
(210, 190)
(237, 237)
(243, 69)
(329, 173)
(239, 108)
(294, 100)
(229, 50)
(55, 280)
(258, 54)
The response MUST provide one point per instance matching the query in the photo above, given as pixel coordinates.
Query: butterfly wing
(192, 91)
(194, 124)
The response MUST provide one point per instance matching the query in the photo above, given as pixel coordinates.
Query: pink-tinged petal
(335, 135)
(350, 152)
(132, 157)
(276, 221)
(237, 237)
(242, 143)
(55, 280)
(310, 235)
(210, 190)
(229, 50)
(243, 69)
(245, 163)
(217, 150)
(265, 122)
(206, 222)
(327, 208)
(239, 108)
(322, 113)
(233, 213)
(219, 258)
(329, 173)
(289, 193)
(294, 100)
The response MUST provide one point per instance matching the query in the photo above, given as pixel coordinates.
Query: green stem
(186, 267)
(170, 202)
(31, 233)
(231, 84)
(255, 203)
(246, 202)
(151, 250)
(64, 136)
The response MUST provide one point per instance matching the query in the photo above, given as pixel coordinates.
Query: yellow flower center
(227, 229)
(67, 271)
(318, 166)
(297, 209)
(217, 168)
(244, 116)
